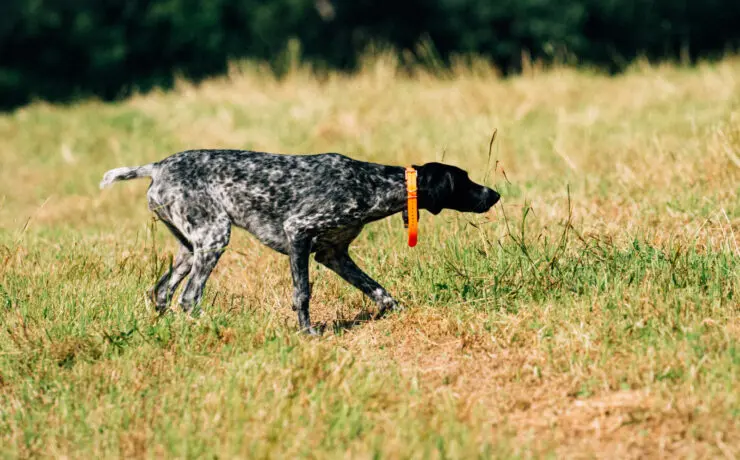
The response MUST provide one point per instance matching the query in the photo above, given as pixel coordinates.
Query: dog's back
(278, 187)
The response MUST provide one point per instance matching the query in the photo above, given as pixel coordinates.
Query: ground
(592, 313)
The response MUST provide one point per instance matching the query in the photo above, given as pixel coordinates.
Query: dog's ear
(435, 187)
(439, 193)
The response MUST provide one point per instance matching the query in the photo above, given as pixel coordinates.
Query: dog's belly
(335, 238)
(267, 232)
(273, 236)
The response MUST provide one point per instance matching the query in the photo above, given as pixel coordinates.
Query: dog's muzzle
(489, 198)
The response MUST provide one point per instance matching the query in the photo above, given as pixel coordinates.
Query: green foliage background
(63, 49)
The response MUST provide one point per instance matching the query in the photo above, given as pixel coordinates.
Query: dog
(294, 204)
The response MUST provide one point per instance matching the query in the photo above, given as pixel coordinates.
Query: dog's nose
(487, 198)
(492, 198)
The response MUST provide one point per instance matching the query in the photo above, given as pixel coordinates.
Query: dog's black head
(448, 187)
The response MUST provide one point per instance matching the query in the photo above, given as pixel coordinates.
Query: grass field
(592, 313)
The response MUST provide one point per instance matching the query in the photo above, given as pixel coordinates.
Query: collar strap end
(412, 210)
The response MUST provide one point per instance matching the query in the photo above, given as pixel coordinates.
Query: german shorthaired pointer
(295, 204)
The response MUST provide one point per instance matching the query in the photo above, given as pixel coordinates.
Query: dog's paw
(312, 331)
(150, 300)
(389, 307)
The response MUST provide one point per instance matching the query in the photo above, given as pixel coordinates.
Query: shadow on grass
(341, 325)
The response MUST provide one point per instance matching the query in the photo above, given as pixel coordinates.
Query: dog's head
(448, 187)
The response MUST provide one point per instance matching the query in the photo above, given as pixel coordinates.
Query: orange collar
(412, 207)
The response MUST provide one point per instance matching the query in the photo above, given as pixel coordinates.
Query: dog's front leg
(339, 261)
(300, 249)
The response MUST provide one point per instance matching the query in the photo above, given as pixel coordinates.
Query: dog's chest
(268, 231)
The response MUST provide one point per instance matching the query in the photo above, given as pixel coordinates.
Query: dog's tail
(127, 173)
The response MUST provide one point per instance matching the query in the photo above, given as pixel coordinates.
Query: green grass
(594, 312)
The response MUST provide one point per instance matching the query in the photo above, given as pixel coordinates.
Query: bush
(60, 50)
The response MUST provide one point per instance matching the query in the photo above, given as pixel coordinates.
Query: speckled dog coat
(295, 204)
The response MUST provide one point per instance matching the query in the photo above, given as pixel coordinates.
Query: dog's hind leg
(339, 261)
(162, 292)
(209, 242)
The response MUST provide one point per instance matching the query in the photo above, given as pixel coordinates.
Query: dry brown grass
(623, 344)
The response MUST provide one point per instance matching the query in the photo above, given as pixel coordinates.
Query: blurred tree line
(62, 49)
